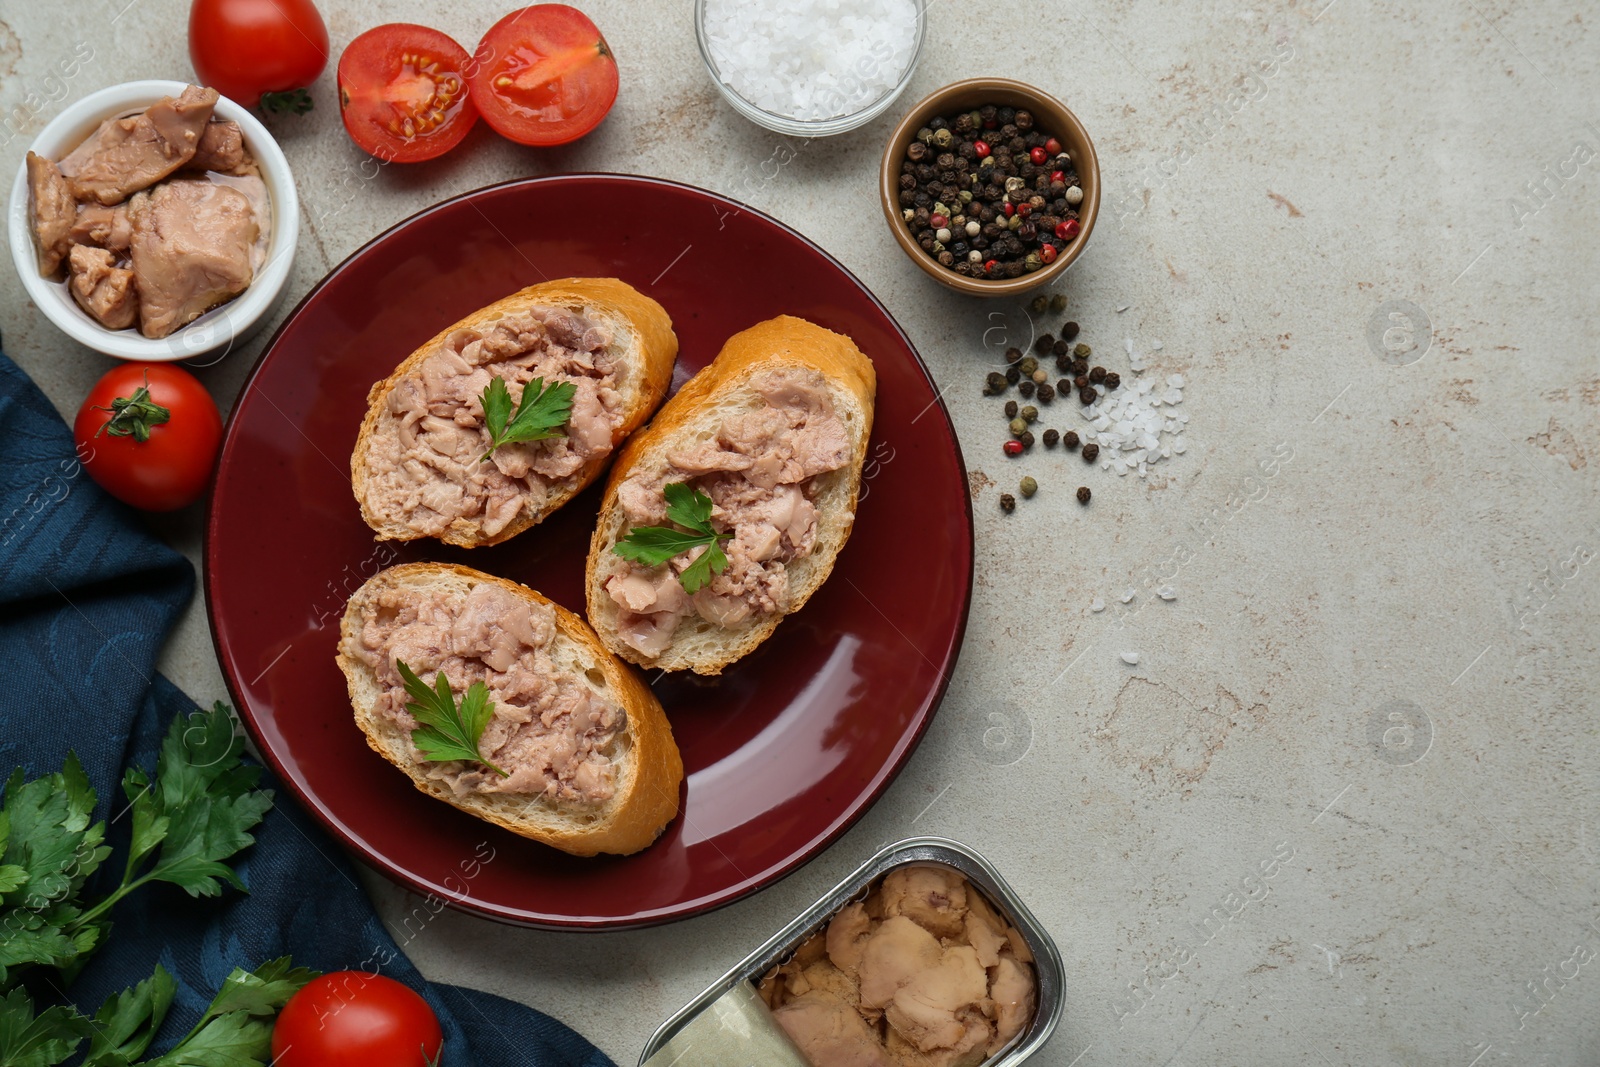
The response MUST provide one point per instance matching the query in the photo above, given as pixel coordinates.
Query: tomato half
(247, 49)
(149, 433)
(351, 1019)
(403, 92)
(544, 75)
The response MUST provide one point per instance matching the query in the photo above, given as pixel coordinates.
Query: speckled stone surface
(1366, 234)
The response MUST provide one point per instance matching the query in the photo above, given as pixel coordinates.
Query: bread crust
(649, 357)
(785, 341)
(649, 780)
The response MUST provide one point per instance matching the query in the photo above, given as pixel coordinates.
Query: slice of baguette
(649, 769)
(696, 414)
(642, 343)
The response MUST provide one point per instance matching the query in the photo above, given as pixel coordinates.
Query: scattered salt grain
(811, 59)
(1130, 658)
(1097, 604)
(1166, 592)
(1123, 308)
(1127, 595)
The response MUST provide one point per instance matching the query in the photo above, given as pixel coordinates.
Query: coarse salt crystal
(1175, 380)
(1166, 592)
(1179, 447)
(1097, 604)
(1127, 595)
(1130, 658)
(811, 59)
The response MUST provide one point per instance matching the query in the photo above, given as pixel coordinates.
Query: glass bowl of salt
(811, 68)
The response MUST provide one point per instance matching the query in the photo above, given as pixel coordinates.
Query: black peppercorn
(1090, 452)
(1097, 375)
(1013, 375)
(1026, 438)
(946, 161)
(1070, 439)
(947, 258)
(1060, 348)
(1044, 343)
(1064, 387)
(1011, 405)
(1113, 379)
(1080, 383)
(1083, 494)
(1008, 503)
(1080, 367)
(1046, 392)
(1027, 231)
(908, 197)
(908, 181)
(916, 151)
(1088, 394)
(989, 113)
(1050, 438)
(1023, 119)
(996, 384)
(1069, 330)
(927, 245)
(963, 123)
(1026, 388)
(938, 123)
(1013, 355)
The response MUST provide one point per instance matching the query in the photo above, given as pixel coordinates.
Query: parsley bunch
(654, 545)
(195, 814)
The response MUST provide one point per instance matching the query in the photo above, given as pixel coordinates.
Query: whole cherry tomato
(351, 1019)
(149, 433)
(259, 51)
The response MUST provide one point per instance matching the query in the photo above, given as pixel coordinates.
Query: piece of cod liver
(192, 245)
(128, 154)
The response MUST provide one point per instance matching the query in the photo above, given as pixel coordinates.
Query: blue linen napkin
(87, 595)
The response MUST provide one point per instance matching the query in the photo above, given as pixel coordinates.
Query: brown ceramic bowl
(1050, 115)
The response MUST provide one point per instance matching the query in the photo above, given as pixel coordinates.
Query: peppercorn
(1040, 376)
(1090, 452)
(1070, 439)
(1046, 392)
(1011, 409)
(1050, 438)
(1097, 375)
(1028, 366)
(989, 113)
(1060, 348)
(1040, 305)
(924, 135)
(1069, 330)
(1064, 387)
(995, 384)
(1026, 388)
(1088, 394)
(1023, 119)
(1082, 351)
(916, 151)
(943, 138)
(1013, 375)
(963, 123)
(1029, 414)
(1044, 343)
(1017, 426)
(1026, 439)
(1080, 367)
(1029, 486)
(1083, 494)
(1074, 195)
(1013, 355)
(1080, 383)
(1008, 503)
(1058, 303)
(1113, 379)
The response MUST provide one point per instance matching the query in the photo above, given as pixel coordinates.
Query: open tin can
(733, 1011)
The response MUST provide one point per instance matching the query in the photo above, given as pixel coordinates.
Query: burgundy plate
(783, 751)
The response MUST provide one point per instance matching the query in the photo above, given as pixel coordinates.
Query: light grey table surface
(1377, 269)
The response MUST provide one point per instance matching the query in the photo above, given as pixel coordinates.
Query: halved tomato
(544, 75)
(403, 92)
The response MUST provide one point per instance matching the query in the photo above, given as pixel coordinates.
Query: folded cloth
(87, 595)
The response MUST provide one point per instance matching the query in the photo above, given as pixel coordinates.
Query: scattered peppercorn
(1013, 448)
(1090, 452)
(1013, 375)
(1008, 503)
(1026, 439)
(1017, 426)
(1113, 379)
(1069, 330)
(1097, 375)
(1082, 351)
(1028, 366)
(1011, 409)
(1088, 394)
(1050, 438)
(1040, 376)
(1058, 303)
(1083, 494)
(1043, 344)
(1030, 413)
(1064, 387)
(1029, 486)
(1040, 305)
(995, 384)
(1026, 388)
(1060, 348)
(1070, 439)
(1045, 393)
(1013, 355)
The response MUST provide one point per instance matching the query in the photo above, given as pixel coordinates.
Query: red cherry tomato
(351, 1019)
(148, 433)
(544, 75)
(403, 92)
(247, 49)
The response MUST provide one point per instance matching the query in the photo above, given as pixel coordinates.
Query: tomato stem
(132, 416)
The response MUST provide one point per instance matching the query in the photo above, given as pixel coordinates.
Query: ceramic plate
(783, 751)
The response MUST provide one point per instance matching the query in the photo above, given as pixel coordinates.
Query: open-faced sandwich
(506, 415)
(727, 512)
(504, 704)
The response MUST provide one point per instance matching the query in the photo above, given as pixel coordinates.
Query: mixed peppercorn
(988, 195)
(1032, 382)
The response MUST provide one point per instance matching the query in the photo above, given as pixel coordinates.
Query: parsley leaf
(655, 545)
(127, 1022)
(27, 1040)
(540, 414)
(447, 733)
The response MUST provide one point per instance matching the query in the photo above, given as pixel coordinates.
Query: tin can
(1048, 969)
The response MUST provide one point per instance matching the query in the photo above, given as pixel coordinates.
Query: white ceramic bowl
(219, 328)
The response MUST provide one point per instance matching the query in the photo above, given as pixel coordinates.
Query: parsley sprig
(448, 732)
(539, 415)
(654, 545)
